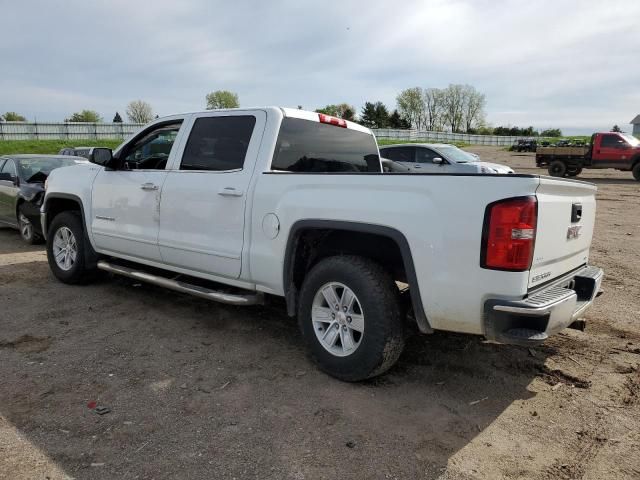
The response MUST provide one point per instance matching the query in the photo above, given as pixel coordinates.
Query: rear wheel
(557, 168)
(636, 171)
(66, 249)
(574, 171)
(27, 229)
(350, 317)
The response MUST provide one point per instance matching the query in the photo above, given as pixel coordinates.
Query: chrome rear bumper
(533, 319)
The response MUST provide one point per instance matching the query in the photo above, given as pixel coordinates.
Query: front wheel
(350, 317)
(557, 169)
(66, 249)
(27, 229)
(636, 171)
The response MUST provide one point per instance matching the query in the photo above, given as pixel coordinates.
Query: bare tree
(453, 106)
(433, 103)
(139, 111)
(411, 106)
(473, 107)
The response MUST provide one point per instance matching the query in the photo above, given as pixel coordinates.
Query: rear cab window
(306, 146)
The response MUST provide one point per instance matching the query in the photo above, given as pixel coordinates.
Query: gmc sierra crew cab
(239, 205)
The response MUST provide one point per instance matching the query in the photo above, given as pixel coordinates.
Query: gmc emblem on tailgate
(573, 232)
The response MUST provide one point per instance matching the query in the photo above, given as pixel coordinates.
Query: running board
(253, 298)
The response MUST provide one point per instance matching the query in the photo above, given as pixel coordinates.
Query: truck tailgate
(566, 216)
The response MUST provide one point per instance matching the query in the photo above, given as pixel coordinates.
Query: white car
(244, 203)
(439, 158)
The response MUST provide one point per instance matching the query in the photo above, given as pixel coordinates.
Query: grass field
(50, 146)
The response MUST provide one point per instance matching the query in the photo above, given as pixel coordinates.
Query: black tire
(574, 171)
(78, 271)
(636, 171)
(382, 340)
(557, 168)
(27, 229)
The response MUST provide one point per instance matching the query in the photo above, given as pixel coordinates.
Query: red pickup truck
(606, 150)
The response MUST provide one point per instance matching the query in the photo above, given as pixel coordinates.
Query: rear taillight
(509, 234)
(338, 122)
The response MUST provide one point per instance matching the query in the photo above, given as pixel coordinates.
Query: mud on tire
(377, 299)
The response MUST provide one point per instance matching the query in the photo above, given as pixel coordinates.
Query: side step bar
(253, 298)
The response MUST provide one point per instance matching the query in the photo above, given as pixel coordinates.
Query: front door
(612, 152)
(125, 214)
(202, 211)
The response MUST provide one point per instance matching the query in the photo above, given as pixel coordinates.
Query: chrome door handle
(230, 192)
(148, 186)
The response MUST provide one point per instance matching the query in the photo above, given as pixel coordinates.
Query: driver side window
(151, 151)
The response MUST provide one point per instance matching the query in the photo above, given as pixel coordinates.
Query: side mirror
(101, 156)
(6, 176)
(438, 161)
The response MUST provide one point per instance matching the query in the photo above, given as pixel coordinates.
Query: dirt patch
(200, 390)
(28, 344)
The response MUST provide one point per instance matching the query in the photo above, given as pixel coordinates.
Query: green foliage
(342, 110)
(222, 99)
(117, 118)
(397, 121)
(13, 117)
(551, 132)
(88, 116)
(616, 129)
(374, 115)
(51, 147)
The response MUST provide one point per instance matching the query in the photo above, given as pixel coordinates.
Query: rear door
(566, 216)
(403, 155)
(202, 211)
(8, 192)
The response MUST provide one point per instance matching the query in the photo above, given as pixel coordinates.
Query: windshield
(632, 140)
(32, 168)
(456, 155)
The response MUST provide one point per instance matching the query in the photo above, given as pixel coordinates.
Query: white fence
(100, 131)
(64, 131)
(445, 137)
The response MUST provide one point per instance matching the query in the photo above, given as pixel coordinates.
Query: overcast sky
(568, 64)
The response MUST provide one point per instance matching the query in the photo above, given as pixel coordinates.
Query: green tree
(617, 129)
(85, 116)
(342, 110)
(139, 111)
(551, 132)
(13, 117)
(397, 121)
(411, 106)
(117, 118)
(222, 99)
(374, 115)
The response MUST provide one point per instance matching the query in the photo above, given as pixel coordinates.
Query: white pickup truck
(238, 205)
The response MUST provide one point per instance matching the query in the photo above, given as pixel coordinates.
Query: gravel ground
(201, 390)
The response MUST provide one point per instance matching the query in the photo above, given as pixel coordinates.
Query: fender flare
(91, 257)
(291, 293)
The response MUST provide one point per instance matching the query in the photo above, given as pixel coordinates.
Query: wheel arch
(56, 203)
(311, 240)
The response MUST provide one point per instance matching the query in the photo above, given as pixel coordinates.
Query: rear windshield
(306, 146)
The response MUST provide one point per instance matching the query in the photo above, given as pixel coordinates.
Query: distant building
(636, 126)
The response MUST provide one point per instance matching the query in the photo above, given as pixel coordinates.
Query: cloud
(545, 63)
